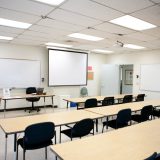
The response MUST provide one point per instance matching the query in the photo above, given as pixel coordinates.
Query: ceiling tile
(18, 16)
(141, 36)
(48, 30)
(156, 1)
(73, 18)
(7, 34)
(91, 9)
(60, 25)
(111, 28)
(26, 6)
(126, 6)
(151, 14)
(153, 32)
(11, 30)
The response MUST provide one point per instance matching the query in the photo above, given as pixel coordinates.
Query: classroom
(71, 51)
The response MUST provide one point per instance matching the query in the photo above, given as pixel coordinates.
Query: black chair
(146, 112)
(80, 129)
(37, 136)
(127, 99)
(108, 101)
(31, 90)
(123, 117)
(154, 156)
(156, 112)
(89, 103)
(140, 97)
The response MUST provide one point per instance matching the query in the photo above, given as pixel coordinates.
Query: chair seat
(137, 118)
(156, 113)
(113, 124)
(37, 146)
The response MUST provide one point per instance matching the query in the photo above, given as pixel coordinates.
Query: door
(110, 79)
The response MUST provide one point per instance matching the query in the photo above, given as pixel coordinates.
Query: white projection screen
(67, 68)
(150, 77)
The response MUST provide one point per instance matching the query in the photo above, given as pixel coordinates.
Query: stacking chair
(37, 136)
(140, 97)
(156, 112)
(127, 99)
(146, 112)
(154, 156)
(31, 90)
(89, 103)
(123, 117)
(80, 129)
(108, 101)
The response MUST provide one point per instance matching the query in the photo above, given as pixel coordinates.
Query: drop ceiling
(54, 23)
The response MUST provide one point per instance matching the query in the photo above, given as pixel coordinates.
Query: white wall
(137, 59)
(41, 53)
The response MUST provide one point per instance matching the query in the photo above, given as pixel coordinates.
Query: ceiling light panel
(16, 24)
(58, 44)
(132, 46)
(51, 2)
(132, 23)
(6, 38)
(102, 51)
(85, 37)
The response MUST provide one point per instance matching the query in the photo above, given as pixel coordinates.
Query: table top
(135, 142)
(99, 98)
(114, 109)
(18, 124)
(23, 96)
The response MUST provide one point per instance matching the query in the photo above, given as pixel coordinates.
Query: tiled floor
(34, 154)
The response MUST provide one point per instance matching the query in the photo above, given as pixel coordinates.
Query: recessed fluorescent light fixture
(6, 38)
(51, 2)
(132, 46)
(58, 44)
(85, 36)
(132, 23)
(16, 24)
(102, 51)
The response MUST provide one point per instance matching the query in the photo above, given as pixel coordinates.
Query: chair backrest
(108, 101)
(127, 98)
(30, 90)
(83, 127)
(152, 157)
(146, 112)
(92, 102)
(140, 97)
(39, 133)
(84, 92)
(124, 116)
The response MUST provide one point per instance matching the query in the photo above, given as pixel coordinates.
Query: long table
(24, 96)
(18, 124)
(135, 142)
(99, 98)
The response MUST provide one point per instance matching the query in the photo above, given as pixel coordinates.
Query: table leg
(15, 146)
(67, 104)
(52, 102)
(45, 104)
(5, 103)
(5, 154)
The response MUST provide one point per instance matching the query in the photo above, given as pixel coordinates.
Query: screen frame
(72, 51)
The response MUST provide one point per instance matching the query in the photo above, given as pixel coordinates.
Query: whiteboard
(19, 73)
(150, 77)
(67, 68)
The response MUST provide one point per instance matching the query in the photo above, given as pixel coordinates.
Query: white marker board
(150, 77)
(67, 68)
(19, 73)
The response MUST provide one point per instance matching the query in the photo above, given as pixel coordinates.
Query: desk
(99, 98)
(114, 109)
(18, 124)
(24, 96)
(135, 142)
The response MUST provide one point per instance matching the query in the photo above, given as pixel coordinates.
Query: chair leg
(102, 128)
(60, 135)
(17, 153)
(45, 152)
(24, 152)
